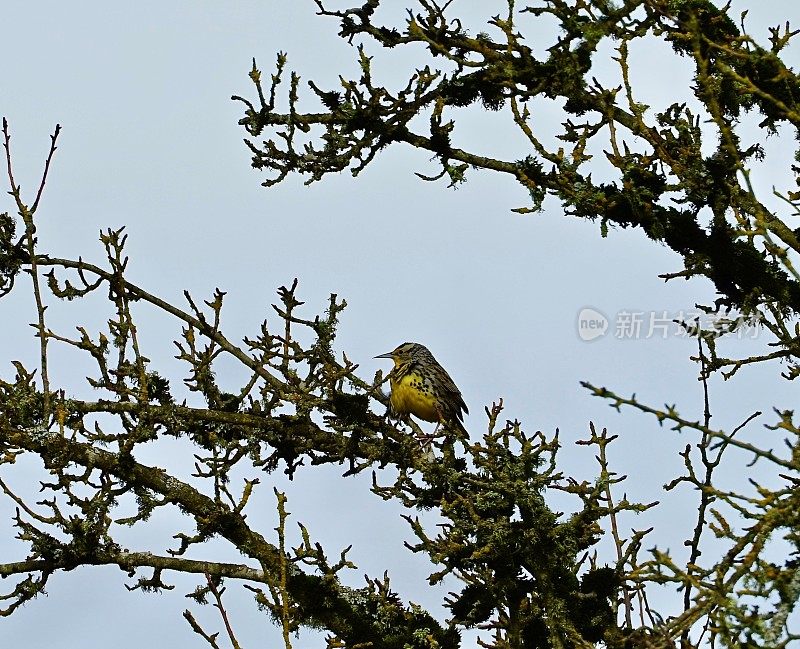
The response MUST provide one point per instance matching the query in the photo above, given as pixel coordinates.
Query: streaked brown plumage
(421, 387)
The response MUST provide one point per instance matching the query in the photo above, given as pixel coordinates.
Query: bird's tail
(458, 426)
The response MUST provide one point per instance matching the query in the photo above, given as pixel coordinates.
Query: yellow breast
(411, 395)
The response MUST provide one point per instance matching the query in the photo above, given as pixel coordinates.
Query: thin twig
(618, 543)
(705, 496)
(283, 588)
(217, 593)
(210, 639)
(52, 151)
(30, 239)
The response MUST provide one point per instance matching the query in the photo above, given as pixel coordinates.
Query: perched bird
(421, 387)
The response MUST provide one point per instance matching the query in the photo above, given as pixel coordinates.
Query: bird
(421, 387)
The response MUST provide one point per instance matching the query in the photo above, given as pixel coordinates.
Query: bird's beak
(386, 355)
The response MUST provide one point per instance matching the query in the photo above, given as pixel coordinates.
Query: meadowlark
(421, 387)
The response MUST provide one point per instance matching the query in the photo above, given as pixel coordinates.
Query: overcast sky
(150, 141)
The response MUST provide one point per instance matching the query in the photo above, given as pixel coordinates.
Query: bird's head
(405, 353)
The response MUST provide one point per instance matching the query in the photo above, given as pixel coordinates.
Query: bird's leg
(426, 440)
(392, 416)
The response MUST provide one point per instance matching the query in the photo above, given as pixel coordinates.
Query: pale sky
(150, 141)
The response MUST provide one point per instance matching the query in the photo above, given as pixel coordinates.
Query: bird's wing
(452, 390)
